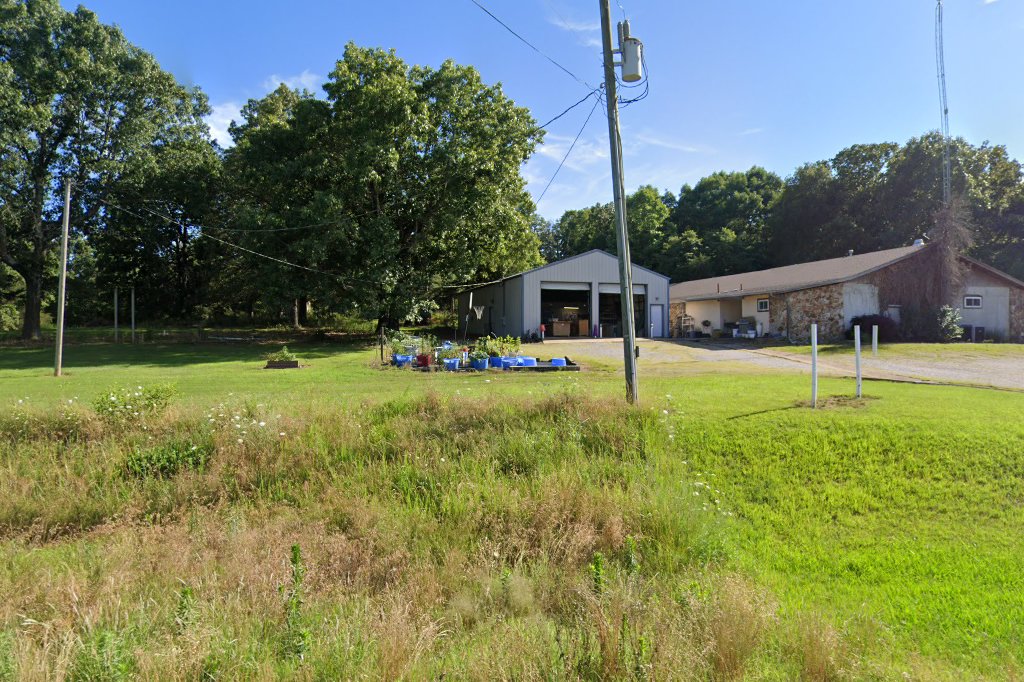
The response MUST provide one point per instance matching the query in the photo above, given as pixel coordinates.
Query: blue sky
(733, 83)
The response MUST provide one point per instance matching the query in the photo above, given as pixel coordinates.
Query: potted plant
(399, 345)
(478, 358)
(425, 356)
(450, 357)
(282, 359)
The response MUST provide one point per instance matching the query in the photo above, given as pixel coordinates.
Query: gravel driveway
(1004, 371)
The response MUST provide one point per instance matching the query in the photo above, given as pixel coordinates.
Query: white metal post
(58, 364)
(856, 351)
(874, 340)
(814, 366)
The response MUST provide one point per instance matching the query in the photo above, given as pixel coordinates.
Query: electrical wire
(567, 153)
(203, 233)
(570, 108)
(531, 45)
(335, 275)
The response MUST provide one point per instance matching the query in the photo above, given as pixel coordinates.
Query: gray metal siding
(514, 304)
(593, 268)
(503, 314)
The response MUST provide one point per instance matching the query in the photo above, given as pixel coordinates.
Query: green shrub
(130, 407)
(950, 323)
(283, 355)
(166, 460)
(888, 330)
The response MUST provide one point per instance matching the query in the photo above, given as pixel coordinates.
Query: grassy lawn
(503, 525)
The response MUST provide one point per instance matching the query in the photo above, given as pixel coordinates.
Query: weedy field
(175, 512)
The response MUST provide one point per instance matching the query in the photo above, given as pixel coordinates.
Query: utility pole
(58, 364)
(133, 314)
(940, 72)
(619, 191)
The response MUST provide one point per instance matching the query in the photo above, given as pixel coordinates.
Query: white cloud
(750, 131)
(219, 119)
(307, 80)
(586, 153)
(991, 2)
(658, 141)
(586, 32)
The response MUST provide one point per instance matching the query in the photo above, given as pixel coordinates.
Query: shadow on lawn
(165, 355)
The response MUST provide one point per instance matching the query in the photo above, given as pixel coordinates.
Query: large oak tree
(79, 102)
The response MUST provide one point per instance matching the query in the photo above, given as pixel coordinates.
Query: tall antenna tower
(940, 69)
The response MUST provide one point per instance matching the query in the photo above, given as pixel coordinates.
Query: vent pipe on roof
(849, 253)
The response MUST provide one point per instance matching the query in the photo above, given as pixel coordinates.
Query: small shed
(578, 297)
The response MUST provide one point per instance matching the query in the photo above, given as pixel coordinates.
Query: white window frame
(767, 305)
(972, 297)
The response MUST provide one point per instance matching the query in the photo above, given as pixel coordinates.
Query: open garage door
(610, 310)
(565, 309)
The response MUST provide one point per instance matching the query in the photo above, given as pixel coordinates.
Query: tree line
(378, 199)
(867, 198)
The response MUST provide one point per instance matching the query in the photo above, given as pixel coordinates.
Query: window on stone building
(972, 301)
(762, 305)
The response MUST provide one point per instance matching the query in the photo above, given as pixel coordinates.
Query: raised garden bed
(282, 364)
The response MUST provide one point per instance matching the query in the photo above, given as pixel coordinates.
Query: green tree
(409, 174)
(79, 102)
(722, 224)
(878, 196)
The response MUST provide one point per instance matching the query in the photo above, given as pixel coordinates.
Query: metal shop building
(576, 297)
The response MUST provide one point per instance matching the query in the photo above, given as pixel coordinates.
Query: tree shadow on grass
(165, 355)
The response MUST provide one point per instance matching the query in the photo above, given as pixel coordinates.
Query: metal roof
(559, 262)
(790, 277)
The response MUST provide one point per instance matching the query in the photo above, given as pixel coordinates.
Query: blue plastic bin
(401, 360)
(527, 362)
(507, 362)
(495, 361)
(558, 362)
(451, 364)
(480, 364)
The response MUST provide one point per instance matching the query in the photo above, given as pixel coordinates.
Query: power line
(570, 108)
(567, 153)
(335, 275)
(227, 243)
(531, 45)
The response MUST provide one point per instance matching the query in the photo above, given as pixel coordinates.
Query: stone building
(785, 301)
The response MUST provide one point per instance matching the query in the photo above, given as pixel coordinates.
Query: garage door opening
(566, 312)
(611, 314)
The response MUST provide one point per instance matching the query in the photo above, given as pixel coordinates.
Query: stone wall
(823, 305)
(676, 311)
(1016, 314)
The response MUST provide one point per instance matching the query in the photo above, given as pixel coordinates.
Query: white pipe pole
(58, 364)
(814, 366)
(856, 351)
(874, 340)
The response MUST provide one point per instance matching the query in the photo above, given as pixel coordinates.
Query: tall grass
(560, 538)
